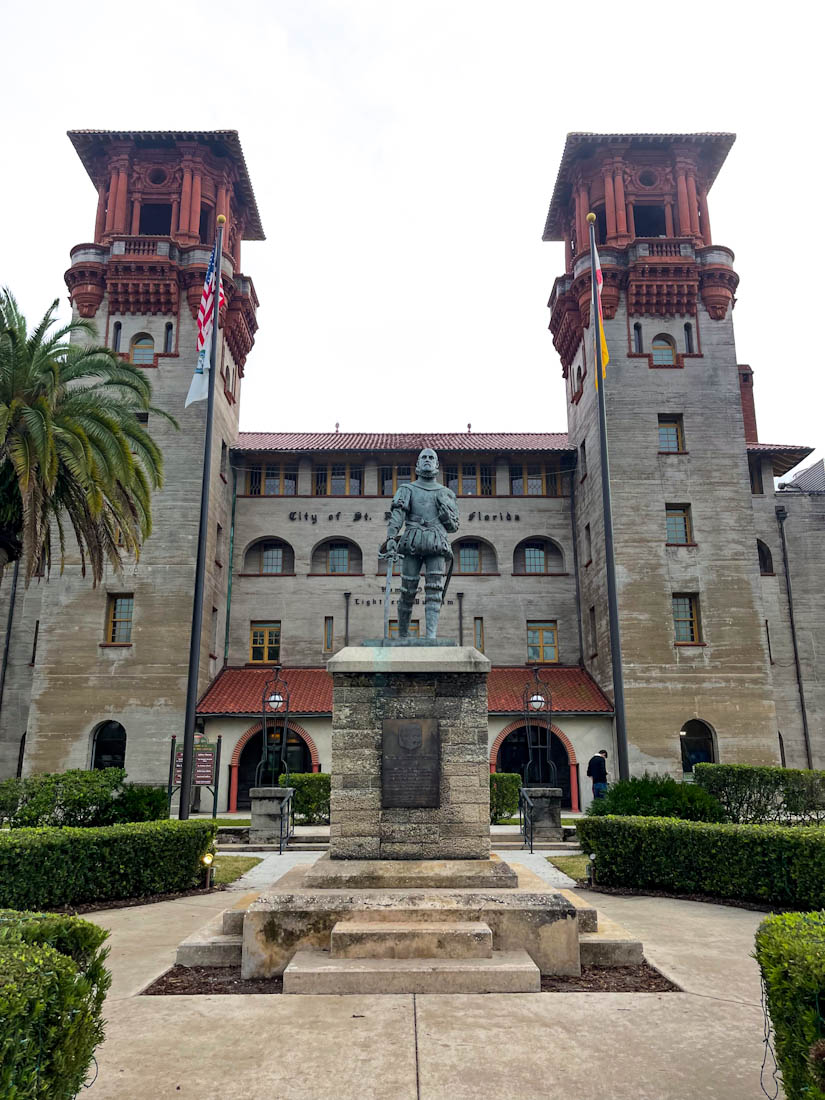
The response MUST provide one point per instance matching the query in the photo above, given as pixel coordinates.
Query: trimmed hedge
(775, 864)
(757, 796)
(504, 788)
(52, 987)
(42, 868)
(79, 798)
(790, 950)
(657, 796)
(311, 795)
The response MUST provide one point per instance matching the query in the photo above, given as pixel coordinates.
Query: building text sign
(203, 770)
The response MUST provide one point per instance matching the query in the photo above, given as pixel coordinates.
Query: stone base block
(210, 946)
(318, 972)
(411, 940)
(410, 874)
(267, 809)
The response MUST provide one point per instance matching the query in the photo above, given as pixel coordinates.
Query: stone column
(669, 219)
(185, 201)
(100, 218)
(135, 217)
(631, 222)
(568, 252)
(682, 200)
(609, 205)
(546, 812)
(110, 209)
(618, 190)
(693, 206)
(120, 202)
(704, 222)
(195, 212)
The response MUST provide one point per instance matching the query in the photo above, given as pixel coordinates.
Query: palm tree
(73, 455)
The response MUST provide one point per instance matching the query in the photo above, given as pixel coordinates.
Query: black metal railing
(526, 810)
(287, 830)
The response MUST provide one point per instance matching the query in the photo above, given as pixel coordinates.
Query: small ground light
(207, 861)
(591, 868)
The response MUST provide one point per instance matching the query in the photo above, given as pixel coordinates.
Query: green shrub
(657, 796)
(773, 864)
(43, 868)
(504, 788)
(138, 803)
(311, 795)
(80, 799)
(756, 796)
(790, 950)
(52, 987)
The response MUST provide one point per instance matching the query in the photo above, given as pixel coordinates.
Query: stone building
(721, 608)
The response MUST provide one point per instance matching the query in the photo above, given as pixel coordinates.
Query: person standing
(597, 770)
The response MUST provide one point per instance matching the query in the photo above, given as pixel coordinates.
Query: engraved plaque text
(410, 763)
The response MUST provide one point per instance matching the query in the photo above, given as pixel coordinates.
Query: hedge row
(779, 865)
(504, 788)
(757, 796)
(43, 868)
(311, 795)
(79, 798)
(790, 950)
(657, 796)
(52, 986)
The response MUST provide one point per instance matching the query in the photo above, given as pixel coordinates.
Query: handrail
(288, 813)
(526, 826)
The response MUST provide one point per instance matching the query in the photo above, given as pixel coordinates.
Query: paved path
(704, 1042)
(537, 863)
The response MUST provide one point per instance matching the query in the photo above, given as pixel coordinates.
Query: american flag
(199, 388)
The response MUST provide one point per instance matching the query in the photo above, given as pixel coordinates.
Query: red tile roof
(785, 456)
(239, 691)
(401, 441)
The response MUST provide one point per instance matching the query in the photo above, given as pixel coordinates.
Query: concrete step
(408, 940)
(255, 849)
(611, 945)
(586, 914)
(313, 971)
(210, 946)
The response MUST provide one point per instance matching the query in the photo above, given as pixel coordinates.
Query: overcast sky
(403, 156)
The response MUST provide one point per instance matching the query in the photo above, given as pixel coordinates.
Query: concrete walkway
(704, 1042)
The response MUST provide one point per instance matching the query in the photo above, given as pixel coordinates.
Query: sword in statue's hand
(390, 553)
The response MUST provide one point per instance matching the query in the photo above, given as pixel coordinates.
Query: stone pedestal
(268, 804)
(546, 813)
(410, 770)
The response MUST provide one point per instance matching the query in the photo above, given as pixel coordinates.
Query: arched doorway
(514, 755)
(697, 741)
(298, 759)
(109, 746)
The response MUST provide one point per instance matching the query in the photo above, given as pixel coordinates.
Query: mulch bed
(188, 980)
(127, 903)
(199, 980)
(613, 979)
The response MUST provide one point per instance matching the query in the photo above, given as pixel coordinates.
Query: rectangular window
(451, 478)
(535, 479)
(468, 558)
(253, 481)
(487, 481)
(594, 648)
(224, 457)
(142, 417)
(686, 618)
(214, 634)
(671, 434)
(274, 479)
(329, 634)
(470, 479)
(338, 557)
(413, 628)
(264, 643)
(272, 559)
(478, 634)
(755, 470)
(219, 544)
(588, 545)
(119, 618)
(677, 519)
(37, 631)
(391, 476)
(583, 461)
(337, 479)
(542, 642)
(534, 559)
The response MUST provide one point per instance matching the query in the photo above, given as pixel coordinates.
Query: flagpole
(200, 567)
(612, 599)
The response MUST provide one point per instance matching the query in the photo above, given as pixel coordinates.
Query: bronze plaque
(410, 763)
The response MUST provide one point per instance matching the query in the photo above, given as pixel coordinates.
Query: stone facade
(459, 827)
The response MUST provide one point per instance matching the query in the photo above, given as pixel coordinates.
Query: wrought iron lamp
(537, 708)
(275, 707)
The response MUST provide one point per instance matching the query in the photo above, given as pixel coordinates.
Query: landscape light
(206, 860)
(592, 857)
(537, 701)
(275, 700)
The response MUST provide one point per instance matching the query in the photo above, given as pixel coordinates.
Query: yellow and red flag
(598, 335)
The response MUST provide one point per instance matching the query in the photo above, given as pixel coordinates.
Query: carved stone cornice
(87, 285)
(142, 285)
(718, 286)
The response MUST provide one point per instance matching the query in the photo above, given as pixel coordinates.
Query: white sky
(403, 156)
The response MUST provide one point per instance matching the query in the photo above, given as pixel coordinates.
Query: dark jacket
(597, 769)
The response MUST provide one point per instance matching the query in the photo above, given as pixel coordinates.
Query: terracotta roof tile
(402, 441)
(239, 691)
(785, 456)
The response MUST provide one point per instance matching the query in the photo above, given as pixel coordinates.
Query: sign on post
(203, 769)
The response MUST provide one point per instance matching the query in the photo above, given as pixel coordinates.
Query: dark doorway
(697, 744)
(109, 749)
(650, 221)
(155, 219)
(297, 756)
(514, 756)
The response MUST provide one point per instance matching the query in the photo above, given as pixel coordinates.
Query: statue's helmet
(427, 462)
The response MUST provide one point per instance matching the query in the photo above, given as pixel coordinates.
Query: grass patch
(223, 822)
(515, 821)
(574, 866)
(227, 869)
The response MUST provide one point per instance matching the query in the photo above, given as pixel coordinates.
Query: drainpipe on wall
(782, 515)
(460, 597)
(231, 560)
(9, 623)
(346, 617)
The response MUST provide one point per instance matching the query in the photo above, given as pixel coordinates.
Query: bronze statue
(430, 512)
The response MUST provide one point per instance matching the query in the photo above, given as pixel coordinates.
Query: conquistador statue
(428, 512)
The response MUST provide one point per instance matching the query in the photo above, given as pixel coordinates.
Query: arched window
(697, 739)
(765, 559)
(689, 338)
(336, 557)
(664, 351)
(474, 556)
(540, 555)
(109, 746)
(143, 349)
(116, 336)
(637, 338)
(20, 756)
(269, 557)
(167, 338)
